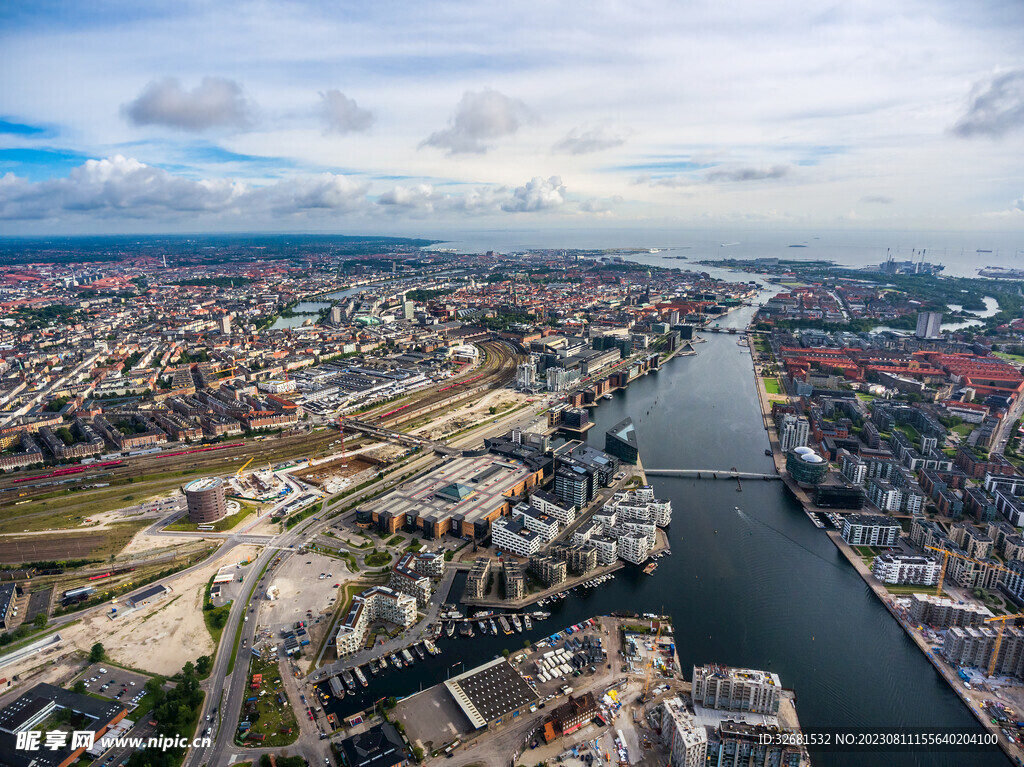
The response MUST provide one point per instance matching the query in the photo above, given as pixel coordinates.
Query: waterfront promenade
(972, 699)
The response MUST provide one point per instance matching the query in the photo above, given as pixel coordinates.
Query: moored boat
(517, 624)
(504, 624)
(527, 622)
(360, 676)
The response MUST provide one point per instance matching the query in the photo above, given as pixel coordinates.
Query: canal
(750, 582)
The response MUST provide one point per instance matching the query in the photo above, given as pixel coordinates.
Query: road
(225, 690)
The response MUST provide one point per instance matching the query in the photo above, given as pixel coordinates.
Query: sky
(432, 117)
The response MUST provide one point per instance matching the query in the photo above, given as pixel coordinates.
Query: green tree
(40, 621)
(97, 653)
(79, 687)
(204, 664)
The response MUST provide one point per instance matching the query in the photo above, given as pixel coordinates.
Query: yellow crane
(999, 638)
(649, 668)
(945, 561)
(238, 474)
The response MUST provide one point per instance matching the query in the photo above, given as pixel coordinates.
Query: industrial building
(206, 499)
(491, 694)
(8, 594)
(462, 497)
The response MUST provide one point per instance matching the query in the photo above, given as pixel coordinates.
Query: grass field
(221, 525)
(771, 385)
(83, 544)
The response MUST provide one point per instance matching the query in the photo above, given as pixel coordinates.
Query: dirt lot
(300, 589)
(162, 636)
(474, 414)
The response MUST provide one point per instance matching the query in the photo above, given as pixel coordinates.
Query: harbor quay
(977, 698)
(604, 690)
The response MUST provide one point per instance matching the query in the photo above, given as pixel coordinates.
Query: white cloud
(214, 103)
(537, 194)
(342, 115)
(124, 188)
(879, 199)
(480, 116)
(996, 107)
(590, 139)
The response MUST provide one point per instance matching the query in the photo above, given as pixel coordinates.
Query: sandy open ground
(160, 637)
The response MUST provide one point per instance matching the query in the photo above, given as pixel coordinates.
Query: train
(68, 470)
(83, 467)
(392, 412)
(462, 383)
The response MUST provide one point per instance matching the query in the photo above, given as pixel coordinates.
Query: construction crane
(649, 668)
(945, 561)
(238, 474)
(999, 638)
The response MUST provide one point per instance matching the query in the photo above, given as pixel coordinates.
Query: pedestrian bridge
(709, 474)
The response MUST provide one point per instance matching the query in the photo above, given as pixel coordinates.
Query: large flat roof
(490, 691)
(467, 487)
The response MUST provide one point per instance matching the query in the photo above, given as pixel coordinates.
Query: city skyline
(440, 117)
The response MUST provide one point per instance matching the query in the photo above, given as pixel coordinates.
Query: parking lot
(126, 687)
(305, 590)
(583, 650)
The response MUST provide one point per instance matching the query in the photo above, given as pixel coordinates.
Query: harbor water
(750, 581)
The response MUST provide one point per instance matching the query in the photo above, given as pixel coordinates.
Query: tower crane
(649, 668)
(999, 638)
(945, 561)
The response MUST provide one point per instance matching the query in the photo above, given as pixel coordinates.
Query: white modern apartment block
(549, 504)
(794, 431)
(683, 734)
(736, 689)
(607, 549)
(512, 536)
(641, 504)
(634, 547)
(901, 568)
(534, 519)
(373, 604)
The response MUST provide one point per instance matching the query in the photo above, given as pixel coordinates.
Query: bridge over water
(710, 474)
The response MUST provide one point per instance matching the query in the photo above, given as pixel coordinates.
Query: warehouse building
(491, 694)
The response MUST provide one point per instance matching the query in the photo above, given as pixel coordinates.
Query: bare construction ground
(160, 637)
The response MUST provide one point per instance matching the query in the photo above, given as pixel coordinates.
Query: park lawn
(220, 526)
(963, 429)
(771, 385)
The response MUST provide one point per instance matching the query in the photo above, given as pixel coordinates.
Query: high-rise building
(206, 499)
(686, 739)
(929, 325)
(526, 376)
(336, 315)
(225, 324)
(408, 310)
(794, 431)
(736, 689)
